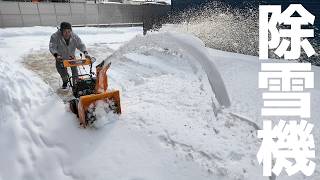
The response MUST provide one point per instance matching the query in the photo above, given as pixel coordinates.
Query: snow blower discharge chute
(89, 89)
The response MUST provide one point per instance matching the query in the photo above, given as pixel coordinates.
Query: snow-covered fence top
(23, 14)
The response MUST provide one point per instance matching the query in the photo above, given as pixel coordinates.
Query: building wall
(22, 14)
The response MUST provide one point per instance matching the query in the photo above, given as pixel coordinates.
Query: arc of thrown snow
(199, 53)
(214, 77)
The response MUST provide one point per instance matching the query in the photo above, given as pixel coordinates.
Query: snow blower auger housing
(89, 89)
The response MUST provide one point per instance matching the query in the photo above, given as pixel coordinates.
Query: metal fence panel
(12, 20)
(92, 9)
(46, 8)
(62, 9)
(14, 14)
(64, 18)
(77, 8)
(28, 8)
(9, 8)
(48, 20)
(31, 20)
(93, 19)
(78, 19)
(1, 22)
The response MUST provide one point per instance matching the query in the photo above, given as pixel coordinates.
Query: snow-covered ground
(172, 126)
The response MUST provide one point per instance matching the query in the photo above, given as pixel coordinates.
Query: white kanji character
(285, 81)
(286, 104)
(289, 145)
(286, 77)
(295, 33)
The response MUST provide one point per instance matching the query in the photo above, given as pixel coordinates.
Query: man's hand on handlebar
(86, 55)
(72, 57)
(58, 58)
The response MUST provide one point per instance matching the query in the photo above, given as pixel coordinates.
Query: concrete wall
(22, 14)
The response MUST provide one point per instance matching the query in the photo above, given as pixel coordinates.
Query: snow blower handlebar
(77, 62)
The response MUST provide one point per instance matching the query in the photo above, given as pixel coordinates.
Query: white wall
(21, 14)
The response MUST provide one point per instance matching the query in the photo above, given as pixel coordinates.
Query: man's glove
(58, 57)
(72, 57)
(86, 55)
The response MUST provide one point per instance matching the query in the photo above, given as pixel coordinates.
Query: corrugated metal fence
(22, 14)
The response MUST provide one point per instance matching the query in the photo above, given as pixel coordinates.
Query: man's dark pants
(64, 72)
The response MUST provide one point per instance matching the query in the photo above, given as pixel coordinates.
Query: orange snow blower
(89, 89)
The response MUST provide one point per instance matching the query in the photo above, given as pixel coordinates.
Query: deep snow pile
(172, 126)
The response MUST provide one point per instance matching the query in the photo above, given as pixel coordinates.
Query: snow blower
(89, 89)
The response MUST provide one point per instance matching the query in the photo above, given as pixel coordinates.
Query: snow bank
(21, 94)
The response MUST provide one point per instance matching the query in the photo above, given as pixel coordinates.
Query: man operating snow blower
(89, 89)
(62, 46)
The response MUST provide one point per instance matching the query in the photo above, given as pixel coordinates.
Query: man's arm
(80, 45)
(53, 45)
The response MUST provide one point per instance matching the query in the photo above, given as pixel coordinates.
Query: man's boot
(64, 85)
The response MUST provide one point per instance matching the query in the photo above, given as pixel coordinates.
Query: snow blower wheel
(73, 105)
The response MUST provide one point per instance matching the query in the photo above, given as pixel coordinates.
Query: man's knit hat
(65, 25)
